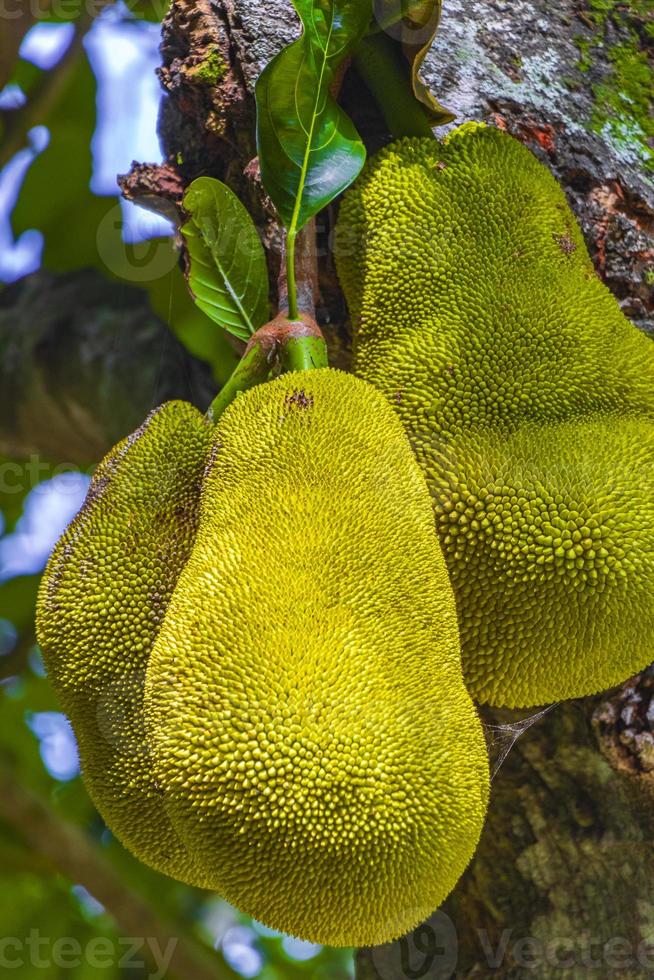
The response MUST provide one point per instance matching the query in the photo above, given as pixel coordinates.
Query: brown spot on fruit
(565, 243)
(300, 399)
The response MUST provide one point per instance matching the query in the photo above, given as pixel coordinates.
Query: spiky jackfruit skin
(305, 706)
(102, 601)
(528, 398)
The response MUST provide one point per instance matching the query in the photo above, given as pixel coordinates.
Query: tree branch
(72, 853)
(89, 362)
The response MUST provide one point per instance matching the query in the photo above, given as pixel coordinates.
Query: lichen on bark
(548, 72)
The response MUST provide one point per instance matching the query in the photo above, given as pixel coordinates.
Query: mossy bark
(562, 885)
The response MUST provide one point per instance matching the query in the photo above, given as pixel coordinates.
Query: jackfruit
(305, 705)
(302, 741)
(102, 601)
(528, 398)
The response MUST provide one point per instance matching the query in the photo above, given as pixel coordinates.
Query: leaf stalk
(380, 64)
(291, 282)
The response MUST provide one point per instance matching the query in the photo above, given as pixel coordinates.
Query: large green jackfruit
(528, 398)
(102, 601)
(306, 711)
(302, 742)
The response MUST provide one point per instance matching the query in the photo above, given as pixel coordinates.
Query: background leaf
(227, 274)
(309, 150)
(414, 23)
(18, 600)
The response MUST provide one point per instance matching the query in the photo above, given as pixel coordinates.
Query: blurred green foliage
(83, 229)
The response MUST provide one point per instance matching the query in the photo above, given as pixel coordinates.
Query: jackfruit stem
(253, 368)
(381, 66)
(303, 354)
(296, 345)
(299, 343)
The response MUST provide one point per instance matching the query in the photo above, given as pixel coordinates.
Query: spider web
(503, 736)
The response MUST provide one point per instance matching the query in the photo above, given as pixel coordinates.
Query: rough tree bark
(567, 859)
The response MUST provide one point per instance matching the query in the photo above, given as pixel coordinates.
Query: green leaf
(82, 229)
(414, 23)
(309, 150)
(171, 300)
(227, 272)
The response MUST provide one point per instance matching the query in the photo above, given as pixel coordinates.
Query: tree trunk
(562, 884)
